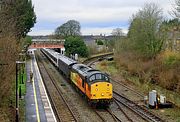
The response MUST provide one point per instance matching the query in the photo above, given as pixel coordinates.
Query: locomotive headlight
(96, 89)
(107, 89)
(102, 94)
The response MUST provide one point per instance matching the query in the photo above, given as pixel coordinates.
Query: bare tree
(117, 32)
(70, 28)
(176, 9)
(144, 30)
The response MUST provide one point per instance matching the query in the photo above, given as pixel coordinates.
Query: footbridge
(47, 43)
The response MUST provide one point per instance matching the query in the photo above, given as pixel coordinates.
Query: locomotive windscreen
(98, 77)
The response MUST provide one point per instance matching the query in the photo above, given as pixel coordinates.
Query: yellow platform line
(35, 97)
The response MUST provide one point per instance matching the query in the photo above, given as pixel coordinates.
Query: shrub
(99, 42)
(170, 58)
(163, 70)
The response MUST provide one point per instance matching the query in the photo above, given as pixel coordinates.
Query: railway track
(120, 108)
(89, 60)
(125, 86)
(106, 112)
(114, 116)
(62, 109)
(141, 111)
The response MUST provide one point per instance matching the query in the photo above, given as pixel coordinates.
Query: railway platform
(38, 107)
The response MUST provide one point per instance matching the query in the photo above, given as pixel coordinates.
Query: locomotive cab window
(92, 78)
(105, 78)
(99, 76)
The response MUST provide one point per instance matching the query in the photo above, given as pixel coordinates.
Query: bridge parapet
(48, 41)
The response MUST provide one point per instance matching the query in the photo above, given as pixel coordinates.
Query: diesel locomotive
(94, 85)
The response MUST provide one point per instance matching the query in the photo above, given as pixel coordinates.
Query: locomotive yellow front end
(101, 90)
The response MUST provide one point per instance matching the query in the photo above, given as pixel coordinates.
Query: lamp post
(17, 103)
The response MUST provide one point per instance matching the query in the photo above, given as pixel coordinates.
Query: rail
(98, 56)
(141, 111)
(106, 110)
(125, 114)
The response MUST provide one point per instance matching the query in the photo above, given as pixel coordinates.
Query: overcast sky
(95, 16)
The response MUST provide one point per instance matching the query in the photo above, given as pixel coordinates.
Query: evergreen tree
(75, 45)
(18, 17)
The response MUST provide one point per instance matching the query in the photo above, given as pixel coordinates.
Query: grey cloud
(91, 11)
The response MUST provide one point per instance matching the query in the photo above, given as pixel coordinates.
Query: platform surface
(38, 107)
